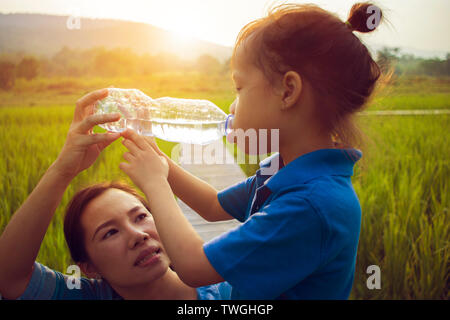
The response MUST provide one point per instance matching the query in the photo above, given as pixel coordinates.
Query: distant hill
(41, 34)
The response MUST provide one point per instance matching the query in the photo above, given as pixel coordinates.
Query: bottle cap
(229, 123)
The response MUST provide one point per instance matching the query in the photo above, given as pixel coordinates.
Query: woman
(109, 229)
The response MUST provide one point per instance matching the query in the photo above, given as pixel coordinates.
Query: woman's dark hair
(326, 54)
(73, 230)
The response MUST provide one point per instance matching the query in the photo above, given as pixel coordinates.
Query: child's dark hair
(323, 50)
(73, 230)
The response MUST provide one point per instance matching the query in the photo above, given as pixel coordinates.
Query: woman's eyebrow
(112, 221)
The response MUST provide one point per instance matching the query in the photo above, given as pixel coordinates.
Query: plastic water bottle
(171, 119)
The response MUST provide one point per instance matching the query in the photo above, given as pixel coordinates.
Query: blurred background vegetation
(402, 180)
(118, 62)
(101, 62)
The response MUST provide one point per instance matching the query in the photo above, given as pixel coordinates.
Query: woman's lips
(148, 257)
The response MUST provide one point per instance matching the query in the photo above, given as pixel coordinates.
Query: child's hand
(145, 166)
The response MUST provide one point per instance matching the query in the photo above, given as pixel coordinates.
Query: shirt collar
(268, 167)
(321, 162)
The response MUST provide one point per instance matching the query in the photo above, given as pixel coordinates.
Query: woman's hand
(82, 147)
(21, 239)
(147, 166)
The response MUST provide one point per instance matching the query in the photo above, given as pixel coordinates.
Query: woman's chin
(148, 274)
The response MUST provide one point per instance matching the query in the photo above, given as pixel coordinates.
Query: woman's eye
(109, 233)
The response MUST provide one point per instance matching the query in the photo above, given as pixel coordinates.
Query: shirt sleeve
(236, 199)
(271, 252)
(48, 284)
(218, 291)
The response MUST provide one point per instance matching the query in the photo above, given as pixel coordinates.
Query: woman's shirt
(48, 284)
(300, 229)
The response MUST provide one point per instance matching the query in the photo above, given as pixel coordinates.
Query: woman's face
(121, 240)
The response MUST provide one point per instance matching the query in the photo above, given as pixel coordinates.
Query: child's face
(257, 104)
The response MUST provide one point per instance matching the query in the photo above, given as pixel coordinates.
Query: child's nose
(233, 107)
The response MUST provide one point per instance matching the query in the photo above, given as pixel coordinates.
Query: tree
(7, 75)
(433, 67)
(28, 68)
(387, 57)
(116, 62)
(208, 64)
(447, 64)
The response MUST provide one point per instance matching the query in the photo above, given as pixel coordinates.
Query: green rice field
(402, 180)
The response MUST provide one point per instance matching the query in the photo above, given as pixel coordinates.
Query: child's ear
(292, 87)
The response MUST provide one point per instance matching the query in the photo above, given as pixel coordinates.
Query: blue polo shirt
(48, 284)
(299, 233)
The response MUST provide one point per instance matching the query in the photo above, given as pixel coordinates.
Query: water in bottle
(171, 119)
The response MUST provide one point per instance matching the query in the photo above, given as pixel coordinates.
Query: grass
(402, 179)
(401, 93)
(402, 183)
(412, 93)
(64, 91)
(31, 140)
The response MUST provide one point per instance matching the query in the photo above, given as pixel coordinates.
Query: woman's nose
(137, 238)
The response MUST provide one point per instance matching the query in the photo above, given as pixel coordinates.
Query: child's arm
(182, 243)
(149, 171)
(196, 193)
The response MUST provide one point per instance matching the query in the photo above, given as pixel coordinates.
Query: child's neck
(168, 287)
(295, 147)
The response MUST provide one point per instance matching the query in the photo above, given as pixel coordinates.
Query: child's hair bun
(364, 17)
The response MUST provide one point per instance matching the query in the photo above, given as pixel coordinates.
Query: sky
(416, 24)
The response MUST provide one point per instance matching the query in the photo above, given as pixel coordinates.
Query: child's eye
(109, 233)
(141, 217)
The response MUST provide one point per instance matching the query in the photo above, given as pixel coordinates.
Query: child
(300, 70)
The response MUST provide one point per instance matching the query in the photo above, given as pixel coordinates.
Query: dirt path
(220, 176)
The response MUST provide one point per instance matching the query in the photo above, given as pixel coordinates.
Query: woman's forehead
(111, 202)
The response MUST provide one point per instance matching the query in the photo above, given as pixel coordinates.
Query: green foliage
(407, 64)
(28, 68)
(117, 62)
(7, 75)
(49, 91)
(401, 181)
(208, 64)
